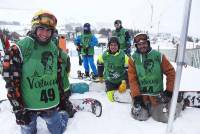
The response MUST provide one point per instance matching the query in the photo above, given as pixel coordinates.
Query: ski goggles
(45, 19)
(141, 38)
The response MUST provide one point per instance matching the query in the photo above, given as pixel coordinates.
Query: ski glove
(164, 97)
(22, 117)
(78, 48)
(69, 109)
(138, 101)
(139, 111)
(122, 87)
(66, 105)
(137, 106)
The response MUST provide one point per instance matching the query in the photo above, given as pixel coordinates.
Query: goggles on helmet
(140, 38)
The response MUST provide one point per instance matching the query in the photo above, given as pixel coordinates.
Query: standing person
(33, 80)
(124, 37)
(85, 44)
(112, 65)
(145, 72)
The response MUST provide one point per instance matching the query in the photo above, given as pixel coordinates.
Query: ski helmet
(44, 17)
(86, 28)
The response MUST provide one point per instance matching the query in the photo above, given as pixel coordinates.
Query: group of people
(37, 80)
(86, 41)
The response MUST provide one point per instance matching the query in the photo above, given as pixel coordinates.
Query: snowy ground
(115, 119)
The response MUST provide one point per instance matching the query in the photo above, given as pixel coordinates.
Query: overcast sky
(167, 15)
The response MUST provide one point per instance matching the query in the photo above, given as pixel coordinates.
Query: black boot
(87, 74)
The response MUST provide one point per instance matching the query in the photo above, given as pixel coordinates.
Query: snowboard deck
(87, 105)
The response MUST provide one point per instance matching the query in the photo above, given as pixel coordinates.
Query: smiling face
(43, 33)
(113, 47)
(142, 46)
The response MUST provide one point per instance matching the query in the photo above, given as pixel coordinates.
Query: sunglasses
(140, 38)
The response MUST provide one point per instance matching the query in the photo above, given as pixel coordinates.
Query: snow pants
(88, 61)
(56, 122)
(159, 112)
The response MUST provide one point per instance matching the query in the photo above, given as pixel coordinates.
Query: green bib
(149, 72)
(114, 70)
(39, 86)
(85, 41)
(121, 36)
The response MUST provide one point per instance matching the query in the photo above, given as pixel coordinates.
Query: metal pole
(180, 63)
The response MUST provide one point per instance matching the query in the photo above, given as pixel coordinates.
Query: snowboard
(87, 105)
(191, 98)
(124, 97)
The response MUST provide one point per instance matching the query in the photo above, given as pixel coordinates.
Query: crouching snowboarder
(145, 72)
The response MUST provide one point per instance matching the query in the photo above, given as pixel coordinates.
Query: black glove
(137, 105)
(22, 117)
(66, 105)
(164, 97)
(78, 48)
(69, 109)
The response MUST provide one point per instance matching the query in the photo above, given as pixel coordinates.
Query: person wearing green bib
(112, 65)
(85, 45)
(124, 37)
(145, 73)
(33, 80)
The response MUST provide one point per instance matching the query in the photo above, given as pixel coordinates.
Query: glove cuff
(168, 93)
(138, 100)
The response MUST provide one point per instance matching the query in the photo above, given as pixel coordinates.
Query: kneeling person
(145, 72)
(112, 65)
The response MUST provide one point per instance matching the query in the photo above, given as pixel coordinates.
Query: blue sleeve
(94, 41)
(77, 40)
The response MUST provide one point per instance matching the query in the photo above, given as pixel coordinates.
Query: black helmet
(118, 22)
(114, 39)
(86, 28)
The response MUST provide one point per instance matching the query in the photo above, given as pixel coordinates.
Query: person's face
(142, 45)
(117, 25)
(113, 47)
(43, 33)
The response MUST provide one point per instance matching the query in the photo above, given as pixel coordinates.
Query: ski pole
(180, 64)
